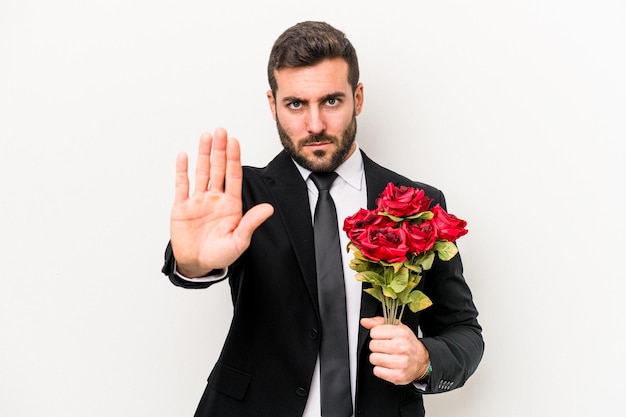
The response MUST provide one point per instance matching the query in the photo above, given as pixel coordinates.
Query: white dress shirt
(349, 194)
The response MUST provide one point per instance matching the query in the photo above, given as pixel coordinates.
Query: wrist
(424, 377)
(190, 273)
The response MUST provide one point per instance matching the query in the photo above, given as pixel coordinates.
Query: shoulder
(271, 182)
(278, 168)
(378, 177)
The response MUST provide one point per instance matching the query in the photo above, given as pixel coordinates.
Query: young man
(254, 226)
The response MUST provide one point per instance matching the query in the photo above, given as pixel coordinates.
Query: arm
(450, 328)
(208, 231)
(452, 341)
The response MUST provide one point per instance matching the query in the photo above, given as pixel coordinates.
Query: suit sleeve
(169, 266)
(450, 328)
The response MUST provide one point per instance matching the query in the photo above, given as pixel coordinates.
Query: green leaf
(389, 292)
(392, 217)
(446, 250)
(352, 247)
(359, 265)
(417, 268)
(396, 266)
(425, 260)
(418, 301)
(424, 215)
(400, 280)
(404, 296)
(371, 277)
(416, 278)
(375, 292)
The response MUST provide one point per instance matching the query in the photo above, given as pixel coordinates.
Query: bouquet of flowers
(396, 242)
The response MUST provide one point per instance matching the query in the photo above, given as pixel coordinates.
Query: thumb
(253, 219)
(371, 322)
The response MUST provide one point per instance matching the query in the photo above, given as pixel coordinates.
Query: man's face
(315, 112)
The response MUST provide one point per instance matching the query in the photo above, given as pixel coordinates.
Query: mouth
(319, 148)
(318, 144)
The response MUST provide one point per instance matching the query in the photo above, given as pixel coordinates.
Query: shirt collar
(351, 171)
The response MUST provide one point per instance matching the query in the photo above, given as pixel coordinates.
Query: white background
(514, 108)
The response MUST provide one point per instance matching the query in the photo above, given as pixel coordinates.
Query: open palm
(207, 228)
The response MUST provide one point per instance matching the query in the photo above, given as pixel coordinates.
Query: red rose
(385, 243)
(447, 226)
(420, 237)
(355, 225)
(403, 201)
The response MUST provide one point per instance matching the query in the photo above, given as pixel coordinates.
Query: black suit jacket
(267, 362)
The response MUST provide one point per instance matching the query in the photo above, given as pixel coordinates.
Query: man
(254, 226)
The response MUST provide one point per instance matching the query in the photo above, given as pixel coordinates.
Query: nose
(315, 122)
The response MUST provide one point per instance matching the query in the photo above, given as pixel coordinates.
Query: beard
(321, 161)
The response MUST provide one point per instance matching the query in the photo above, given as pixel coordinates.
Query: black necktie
(336, 400)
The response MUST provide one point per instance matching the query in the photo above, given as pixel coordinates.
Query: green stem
(395, 311)
(385, 308)
(401, 313)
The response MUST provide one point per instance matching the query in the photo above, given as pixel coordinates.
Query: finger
(253, 219)
(203, 165)
(377, 327)
(385, 360)
(381, 346)
(234, 173)
(396, 369)
(182, 179)
(391, 375)
(385, 367)
(218, 160)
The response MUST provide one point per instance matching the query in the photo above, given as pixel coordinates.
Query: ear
(358, 99)
(272, 102)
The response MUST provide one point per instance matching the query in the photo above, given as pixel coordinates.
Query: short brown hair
(309, 43)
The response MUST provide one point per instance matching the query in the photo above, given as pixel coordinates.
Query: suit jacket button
(314, 334)
(301, 392)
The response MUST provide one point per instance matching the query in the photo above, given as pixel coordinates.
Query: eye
(295, 105)
(332, 102)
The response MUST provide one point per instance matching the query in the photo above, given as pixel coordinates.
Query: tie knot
(323, 180)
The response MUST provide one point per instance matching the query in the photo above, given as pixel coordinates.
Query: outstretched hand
(397, 354)
(207, 228)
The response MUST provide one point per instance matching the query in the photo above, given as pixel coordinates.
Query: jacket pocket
(229, 381)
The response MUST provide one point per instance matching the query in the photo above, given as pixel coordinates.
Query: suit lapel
(291, 202)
